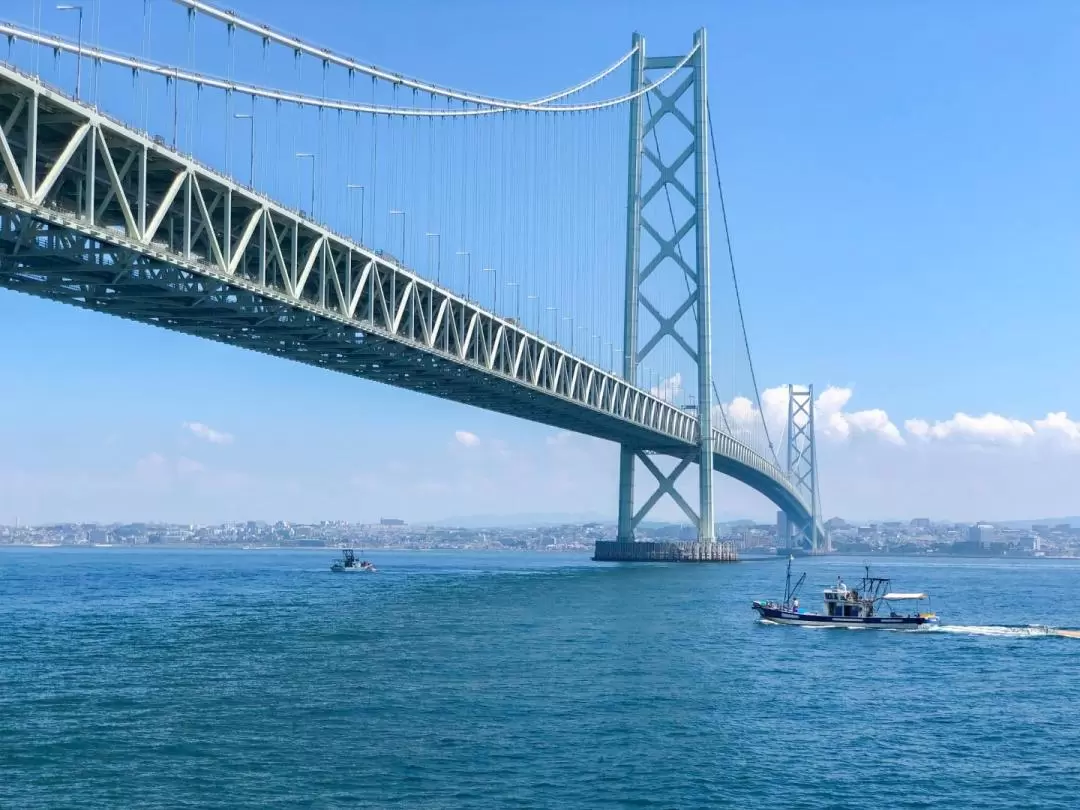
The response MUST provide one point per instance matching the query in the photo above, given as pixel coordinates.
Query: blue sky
(903, 183)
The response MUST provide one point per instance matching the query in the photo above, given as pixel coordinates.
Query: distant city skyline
(919, 536)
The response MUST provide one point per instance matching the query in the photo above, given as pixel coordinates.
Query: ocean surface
(160, 678)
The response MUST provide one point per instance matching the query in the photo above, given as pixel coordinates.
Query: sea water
(161, 678)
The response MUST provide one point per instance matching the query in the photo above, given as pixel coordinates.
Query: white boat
(872, 605)
(349, 563)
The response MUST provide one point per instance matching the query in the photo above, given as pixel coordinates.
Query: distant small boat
(871, 604)
(348, 562)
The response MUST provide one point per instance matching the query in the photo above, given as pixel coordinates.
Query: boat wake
(1004, 631)
(993, 630)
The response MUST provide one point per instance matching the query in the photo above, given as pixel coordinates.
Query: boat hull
(779, 615)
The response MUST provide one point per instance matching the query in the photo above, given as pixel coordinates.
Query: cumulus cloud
(1059, 423)
(841, 424)
(668, 389)
(207, 433)
(993, 428)
(466, 439)
(832, 420)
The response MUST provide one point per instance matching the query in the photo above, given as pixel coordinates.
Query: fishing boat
(348, 562)
(872, 603)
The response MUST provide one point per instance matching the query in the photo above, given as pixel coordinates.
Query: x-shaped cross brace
(665, 486)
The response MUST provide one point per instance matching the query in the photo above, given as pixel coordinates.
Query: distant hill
(554, 519)
(519, 520)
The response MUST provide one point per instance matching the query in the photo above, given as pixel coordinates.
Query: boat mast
(787, 586)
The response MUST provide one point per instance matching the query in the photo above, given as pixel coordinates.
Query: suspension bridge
(236, 183)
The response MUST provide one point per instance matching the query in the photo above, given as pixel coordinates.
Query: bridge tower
(802, 467)
(651, 210)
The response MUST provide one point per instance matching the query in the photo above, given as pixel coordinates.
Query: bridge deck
(95, 214)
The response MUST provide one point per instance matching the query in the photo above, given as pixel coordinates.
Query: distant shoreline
(745, 557)
(321, 549)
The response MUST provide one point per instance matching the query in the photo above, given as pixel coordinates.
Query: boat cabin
(845, 602)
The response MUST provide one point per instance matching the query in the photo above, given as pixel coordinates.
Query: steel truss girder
(144, 232)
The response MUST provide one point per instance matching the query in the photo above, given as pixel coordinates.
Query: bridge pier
(618, 551)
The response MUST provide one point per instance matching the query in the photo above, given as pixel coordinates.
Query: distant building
(921, 523)
(783, 539)
(982, 535)
(391, 522)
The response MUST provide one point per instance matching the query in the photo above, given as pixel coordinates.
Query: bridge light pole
(302, 155)
(78, 58)
(468, 273)
(354, 187)
(398, 213)
(251, 169)
(438, 255)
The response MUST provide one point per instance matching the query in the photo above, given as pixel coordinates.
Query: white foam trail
(997, 630)
(1001, 631)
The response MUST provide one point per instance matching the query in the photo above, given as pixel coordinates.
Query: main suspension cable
(268, 34)
(735, 282)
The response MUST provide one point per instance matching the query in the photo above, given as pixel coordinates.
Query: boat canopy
(897, 596)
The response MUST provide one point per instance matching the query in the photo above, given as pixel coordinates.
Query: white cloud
(837, 423)
(207, 433)
(875, 421)
(466, 438)
(990, 427)
(995, 429)
(1059, 423)
(668, 389)
(919, 428)
(742, 411)
(840, 424)
(833, 422)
